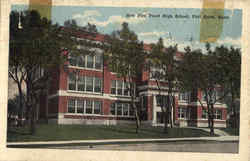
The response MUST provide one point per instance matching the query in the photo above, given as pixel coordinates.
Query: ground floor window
(218, 114)
(84, 106)
(182, 113)
(121, 109)
(204, 114)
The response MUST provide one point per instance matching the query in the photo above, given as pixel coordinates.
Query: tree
(71, 23)
(231, 62)
(204, 72)
(35, 48)
(125, 56)
(163, 69)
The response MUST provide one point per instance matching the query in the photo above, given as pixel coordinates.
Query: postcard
(123, 80)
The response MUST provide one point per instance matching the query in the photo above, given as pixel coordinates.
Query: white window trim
(181, 111)
(85, 63)
(84, 108)
(122, 106)
(93, 88)
(116, 89)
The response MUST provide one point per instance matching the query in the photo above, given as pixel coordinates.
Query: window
(216, 95)
(97, 107)
(161, 100)
(98, 61)
(184, 96)
(89, 84)
(126, 89)
(204, 114)
(88, 107)
(121, 109)
(119, 87)
(88, 61)
(125, 109)
(72, 60)
(113, 87)
(81, 61)
(84, 106)
(71, 106)
(182, 113)
(80, 106)
(98, 85)
(72, 81)
(81, 83)
(218, 114)
(112, 109)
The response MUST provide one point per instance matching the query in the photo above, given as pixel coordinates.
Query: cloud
(87, 14)
(117, 20)
(230, 41)
(153, 33)
(90, 16)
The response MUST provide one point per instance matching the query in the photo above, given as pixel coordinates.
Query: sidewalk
(110, 141)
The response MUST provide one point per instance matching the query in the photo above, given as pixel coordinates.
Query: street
(197, 146)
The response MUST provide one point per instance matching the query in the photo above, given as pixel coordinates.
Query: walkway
(218, 138)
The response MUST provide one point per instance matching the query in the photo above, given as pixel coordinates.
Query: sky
(181, 31)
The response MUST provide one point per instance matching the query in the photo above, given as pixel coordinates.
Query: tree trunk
(137, 121)
(20, 111)
(212, 121)
(165, 122)
(136, 115)
(47, 103)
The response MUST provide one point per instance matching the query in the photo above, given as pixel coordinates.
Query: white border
(47, 154)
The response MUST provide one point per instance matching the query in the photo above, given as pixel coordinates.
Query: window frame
(182, 111)
(96, 63)
(121, 105)
(77, 83)
(84, 103)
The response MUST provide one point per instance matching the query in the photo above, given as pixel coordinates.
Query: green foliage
(125, 54)
(217, 70)
(34, 46)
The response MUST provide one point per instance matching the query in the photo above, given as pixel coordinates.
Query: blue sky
(148, 29)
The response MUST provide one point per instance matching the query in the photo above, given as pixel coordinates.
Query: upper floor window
(216, 96)
(84, 83)
(161, 100)
(119, 87)
(86, 61)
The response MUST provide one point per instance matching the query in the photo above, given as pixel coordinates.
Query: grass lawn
(54, 132)
(231, 131)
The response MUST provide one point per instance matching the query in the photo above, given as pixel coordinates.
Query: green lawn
(92, 132)
(231, 131)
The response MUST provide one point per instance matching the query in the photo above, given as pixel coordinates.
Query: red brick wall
(150, 107)
(145, 75)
